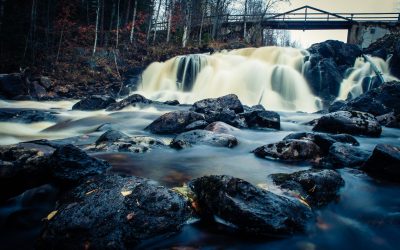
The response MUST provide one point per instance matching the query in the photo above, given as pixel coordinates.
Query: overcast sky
(306, 38)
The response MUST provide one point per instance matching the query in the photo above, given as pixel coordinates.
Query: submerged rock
(187, 139)
(132, 100)
(220, 127)
(115, 141)
(174, 122)
(317, 186)
(350, 122)
(262, 119)
(26, 116)
(290, 150)
(344, 155)
(196, 125)
(384, 162)
(95, 102)
(324, 141)
(114, 212)
(248, 208)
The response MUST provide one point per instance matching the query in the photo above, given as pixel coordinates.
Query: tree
(133, 22)
(97, 26)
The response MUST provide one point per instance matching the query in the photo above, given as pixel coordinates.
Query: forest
(47, 29)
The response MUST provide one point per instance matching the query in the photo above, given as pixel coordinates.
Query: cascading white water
(270, 76)
(361, 77)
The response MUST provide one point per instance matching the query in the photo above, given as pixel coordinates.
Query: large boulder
(342, 155)
(174, 122)
(262, 119)
(204, 137)
(317, 186)
(324, 141)
(224, 109)
(114, 212)
(326, 66)
(350, 122)
(290, 150)
(26, 116)
(230, 102)
(132, 100)
(248, 208)
(384, 162)
(377, 101)
(94, 102)
(13, 86)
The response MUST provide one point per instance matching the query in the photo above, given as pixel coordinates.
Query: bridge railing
(291, 17)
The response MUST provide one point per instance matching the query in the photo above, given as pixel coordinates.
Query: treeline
(34, 29)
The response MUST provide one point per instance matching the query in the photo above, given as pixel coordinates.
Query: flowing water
(367, 215)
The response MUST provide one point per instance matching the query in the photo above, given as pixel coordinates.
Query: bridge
(306, 18)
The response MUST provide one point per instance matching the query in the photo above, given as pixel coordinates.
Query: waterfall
(362, 77)
(271, 76)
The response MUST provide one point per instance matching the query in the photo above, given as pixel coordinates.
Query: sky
(306, 38)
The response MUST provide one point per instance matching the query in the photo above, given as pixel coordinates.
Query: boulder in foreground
(248, 208)
(114, 212)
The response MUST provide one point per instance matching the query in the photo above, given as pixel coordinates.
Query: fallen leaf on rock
(126, 193)
(51, 215)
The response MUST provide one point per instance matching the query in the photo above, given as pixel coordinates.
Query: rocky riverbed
(119, 174)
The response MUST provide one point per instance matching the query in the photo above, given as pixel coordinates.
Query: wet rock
(230, 102)
(350, 122)
(248, 208)
(317, 186)
(172, 103)
(95, 102)
(69, 164)
(224, 109)
(38, 91)
(196, 125)
(187, 139)
(342, 155)
(384, 162)
(377, 101)
(26, 116)
(336, 106)
(327, 65)
(111, 136)
(115, 141)
(324, 141)
(174, 122)
(390, 120)
(132, 100)
(220, 127)
(114, 212)
(13, 86)
(262, 119)
(45, 82)
(22, 166)
(290, 150)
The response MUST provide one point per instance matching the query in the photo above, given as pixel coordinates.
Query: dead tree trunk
(171, 8)
(157, 15)
(97, 27)
(133, 22)
(118, 24)
(202, 21)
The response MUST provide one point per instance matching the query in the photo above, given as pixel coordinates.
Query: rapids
(353, 222)
(271, 76)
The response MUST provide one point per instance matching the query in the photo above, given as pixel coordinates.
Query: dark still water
(367, 215)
